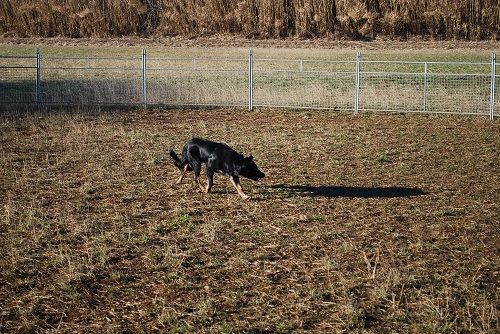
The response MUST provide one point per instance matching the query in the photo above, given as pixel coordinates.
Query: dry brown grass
(450, 19)
(366, 224)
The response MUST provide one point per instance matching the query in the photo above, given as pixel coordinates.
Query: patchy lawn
(365, 223)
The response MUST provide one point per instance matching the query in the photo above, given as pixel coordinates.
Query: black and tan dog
(219, 158)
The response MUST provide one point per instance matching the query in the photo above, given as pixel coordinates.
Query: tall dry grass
(446, 19)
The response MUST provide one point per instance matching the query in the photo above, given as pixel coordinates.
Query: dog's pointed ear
(250, 157)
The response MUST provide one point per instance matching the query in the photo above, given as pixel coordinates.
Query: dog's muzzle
(258, 178)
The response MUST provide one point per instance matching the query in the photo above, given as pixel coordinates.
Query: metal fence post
(250, 80)
(426, 83)
(37, 81)
(144, 92)
(357, 82)
(493, 83)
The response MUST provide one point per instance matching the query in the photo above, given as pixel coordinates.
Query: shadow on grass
(358, 192)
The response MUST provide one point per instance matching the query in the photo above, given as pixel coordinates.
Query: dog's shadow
(353, 192)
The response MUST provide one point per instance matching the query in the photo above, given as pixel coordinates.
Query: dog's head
(250, 170)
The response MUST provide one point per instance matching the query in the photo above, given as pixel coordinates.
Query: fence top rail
(255, 59)
(424, 62)
(17, 57)
(431, 74)
(88, 58)
(457, 63)
(17, 67)
(198, 59)
(306, 60)
(246, 59)
(93, 68)
(326, 73)
(170, 69)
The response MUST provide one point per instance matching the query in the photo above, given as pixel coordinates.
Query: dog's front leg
(236, 183)
(197, 170)
(198, 182)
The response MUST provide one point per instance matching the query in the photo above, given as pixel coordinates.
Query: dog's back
(217, 156)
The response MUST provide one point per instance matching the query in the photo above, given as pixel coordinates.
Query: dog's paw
(246, 197)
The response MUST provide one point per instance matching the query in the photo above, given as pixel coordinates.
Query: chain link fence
(357, 85)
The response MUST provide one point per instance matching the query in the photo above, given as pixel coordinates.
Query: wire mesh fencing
(91, 80)
(437, 87)
(250, 81)
(197, 81)
(17, 79)
(304, 84)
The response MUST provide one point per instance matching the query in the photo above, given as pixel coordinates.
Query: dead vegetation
(366, 224)
(359, 20)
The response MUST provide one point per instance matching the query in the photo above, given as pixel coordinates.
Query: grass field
(364, 224)
(438, 51)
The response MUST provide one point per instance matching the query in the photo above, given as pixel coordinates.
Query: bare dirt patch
(224, 41)
(365, 223)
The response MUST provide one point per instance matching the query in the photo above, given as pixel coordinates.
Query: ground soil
(368, 223)
(234, 41)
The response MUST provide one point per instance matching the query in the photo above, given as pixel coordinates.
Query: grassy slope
(338, 238)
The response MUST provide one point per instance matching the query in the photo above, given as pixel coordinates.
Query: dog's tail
(176, 160)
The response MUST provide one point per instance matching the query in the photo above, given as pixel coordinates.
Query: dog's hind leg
(236, 183)
(184, 172)
(210, 179)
